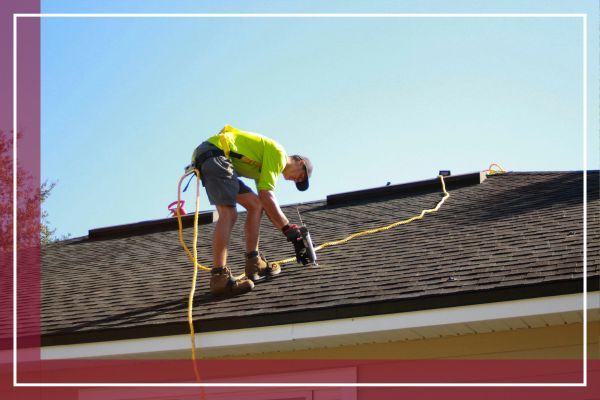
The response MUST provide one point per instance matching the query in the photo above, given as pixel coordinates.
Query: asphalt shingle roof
(513, 230)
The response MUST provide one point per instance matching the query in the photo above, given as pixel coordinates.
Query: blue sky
(371, 100)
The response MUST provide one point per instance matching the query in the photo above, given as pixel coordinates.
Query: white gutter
(311, 331)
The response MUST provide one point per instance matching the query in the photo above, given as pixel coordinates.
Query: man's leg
(222, 283)
(256, 265)
(227, 218)
(222, 186)
(254, 210)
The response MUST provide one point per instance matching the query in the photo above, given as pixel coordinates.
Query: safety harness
(225, 151)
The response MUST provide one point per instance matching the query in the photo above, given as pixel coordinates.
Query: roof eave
(509, 293)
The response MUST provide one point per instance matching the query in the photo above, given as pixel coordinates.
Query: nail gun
(305, 251)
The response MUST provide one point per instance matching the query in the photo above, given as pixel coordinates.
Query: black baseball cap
(308, 167)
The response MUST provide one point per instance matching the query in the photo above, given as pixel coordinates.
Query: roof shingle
(514, 230)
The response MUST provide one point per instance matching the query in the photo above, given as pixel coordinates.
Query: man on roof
(221, 160)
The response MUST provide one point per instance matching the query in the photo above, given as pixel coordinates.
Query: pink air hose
(173, 208)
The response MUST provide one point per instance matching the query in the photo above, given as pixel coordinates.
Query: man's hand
(292, 232)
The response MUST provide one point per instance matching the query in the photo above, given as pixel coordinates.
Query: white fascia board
(322, 329)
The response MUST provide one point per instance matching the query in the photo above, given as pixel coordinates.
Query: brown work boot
(222, 283)
(258, 268)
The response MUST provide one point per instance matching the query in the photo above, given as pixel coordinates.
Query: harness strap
(245, 159)
(229, 153)
(206, 155)
(188, 183)
(224, 144)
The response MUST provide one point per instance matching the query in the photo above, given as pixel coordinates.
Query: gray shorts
(220, 180)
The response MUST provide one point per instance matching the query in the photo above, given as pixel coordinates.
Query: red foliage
(28, 201)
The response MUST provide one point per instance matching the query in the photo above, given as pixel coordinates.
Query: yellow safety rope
(194, 258)
(326, 244)
(376, 230)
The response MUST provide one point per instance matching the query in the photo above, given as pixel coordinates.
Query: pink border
(32, 369)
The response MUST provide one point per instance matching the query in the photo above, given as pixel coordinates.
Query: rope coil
(492, 171)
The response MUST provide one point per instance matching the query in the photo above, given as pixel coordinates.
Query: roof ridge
(410, 188)
(209, 216)
(579, 171)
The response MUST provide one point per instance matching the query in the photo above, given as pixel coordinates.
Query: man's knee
(250, 202)
(227, 214)
(254, 205)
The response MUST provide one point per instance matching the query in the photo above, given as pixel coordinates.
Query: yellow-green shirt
(270, 154)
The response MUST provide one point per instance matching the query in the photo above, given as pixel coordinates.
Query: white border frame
(583, 17)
